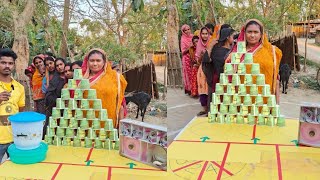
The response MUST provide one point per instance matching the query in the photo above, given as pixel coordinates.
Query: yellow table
(230, 153)
(66, 162)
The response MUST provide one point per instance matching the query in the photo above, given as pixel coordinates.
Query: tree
(65, 27)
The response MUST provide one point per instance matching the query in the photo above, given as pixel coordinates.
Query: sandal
(201, 113)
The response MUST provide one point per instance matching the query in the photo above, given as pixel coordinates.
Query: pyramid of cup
(79, 120)
(242, 96)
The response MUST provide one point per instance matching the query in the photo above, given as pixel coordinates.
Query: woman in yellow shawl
(264, 53)
(110, 85)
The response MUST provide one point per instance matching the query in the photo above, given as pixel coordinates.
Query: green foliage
(137, 5)
(6, 39)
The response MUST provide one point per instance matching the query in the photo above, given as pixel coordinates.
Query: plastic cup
(219, 89)
(77, 74)
(223, 79)
(213, 109)
(98, 143)
(227, 119)
(65, 94)
(265, 110)
(232, 109)
(91, 134)
(266, 90)
(114, 135)
(59, 103)
(276, 111)
(108, 125)
(48, 140)
(220, 118)
(92, 94)
(214, 99)
(244, 110)
(63, 123)
(76, 142)
(84, 104)
(102, 134)
(107, 144)
(236, 99)
(97, 104)
(60, 132)
(270, 121)
(247, 100)
(228, 69)
(272, 101)
(248, 58)
(255, 68)
(259, 100)
(211, 117)
(235, 58)
(223, 109)
(52, 122)
(96, 124)
(242, 89)
(260, 79)
(218, 97)
(73, 123)
(103, 114)
(241, 47)
(78, 94)
(251, 119)
(81, 133)
(67, 113)
(240, 119)
(84, 124)
(241, 68)
(281, 121)
(84, 84)
(79, 114)
(254, 110)
(91, 114)
(72, 84)
(116, 145)
(50, 132)
(235, 79)
(248, 79)
(253, 89)
(231, 89)
(56, 113)
(226, 99)
(69, 132)
(57, 141)
(87, 142)
(261, 120)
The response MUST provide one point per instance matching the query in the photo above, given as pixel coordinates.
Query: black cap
(225, 33)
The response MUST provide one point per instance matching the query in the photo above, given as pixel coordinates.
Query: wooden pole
(152, 82)
(294, 53)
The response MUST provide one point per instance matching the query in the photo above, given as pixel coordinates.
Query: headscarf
(201, 46)
(48, 73)
(186, 40)
(37, 81)
(86, 70)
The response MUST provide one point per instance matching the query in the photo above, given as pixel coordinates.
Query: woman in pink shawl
(186, 43)
(202, 82)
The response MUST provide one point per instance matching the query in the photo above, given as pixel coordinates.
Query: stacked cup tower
(78, 118)
(242, 96)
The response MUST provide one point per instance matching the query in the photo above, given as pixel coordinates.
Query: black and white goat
(141, 99)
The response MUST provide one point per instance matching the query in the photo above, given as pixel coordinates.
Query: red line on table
(183, 167)
(224, 169)
(223, 161)
(109, 173)
(202, 170)
(254, 131)
(118, 167)
(56, 172)
(279, 162)
(91, 149)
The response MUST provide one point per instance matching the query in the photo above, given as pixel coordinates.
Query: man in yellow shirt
(12, 98)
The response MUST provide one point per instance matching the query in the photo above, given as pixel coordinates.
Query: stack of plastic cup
(259, 100)
(72, 84)
(251, 119)
(255, 68)
(240, 119)
(270, 121)
(116, 145)
(76, 142)
(213, 109)
(232, 109)
(84, 104)
(72, 104)
(67, 113)
(69, 132)
(223, 79)
(260, 79)
(281, 121)
(59, 103)
(97, 143)
(77, 74)
(235, 79)
(248, 58)
(107, 144)
(236, 99)
(103, 115)
(276, 111)
(226, 99)
(242, 89)
(266, 90)
(220, 118)
(108, 125)
(73, 123)
(248, 79)
(254, 110)
(87, 142)
(92, 94)
(52, 122)
(85, 84)
(81, 133)
(253, 89)
(265, 110)
(60, 132)
(79, 114)
(241, 47)
(63, 122)
(91, 114)
(272, 101)
(228, 69)
(78, 94)
(235, 58)
(84, 124)
(244, 110)
(102, 134)
(219, 89)
(227, 119)
(261, 120)
(96, 124)
(223, 109)
(241, 68)
(247, 100)
(97, 104)
(56, 113)
(114, 135)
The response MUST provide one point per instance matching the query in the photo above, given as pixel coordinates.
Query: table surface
(229, 153)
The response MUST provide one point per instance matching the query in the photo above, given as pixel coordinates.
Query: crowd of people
(205, 52)
(48, 76)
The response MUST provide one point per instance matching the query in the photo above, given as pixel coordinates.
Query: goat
(141, 99)
(285, 72)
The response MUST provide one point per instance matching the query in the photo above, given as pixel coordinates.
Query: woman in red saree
(264, 53)
(194, 66)
(109, 84)
(186, 43)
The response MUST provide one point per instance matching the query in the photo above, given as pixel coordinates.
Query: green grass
(309, 62)
(311, 82)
